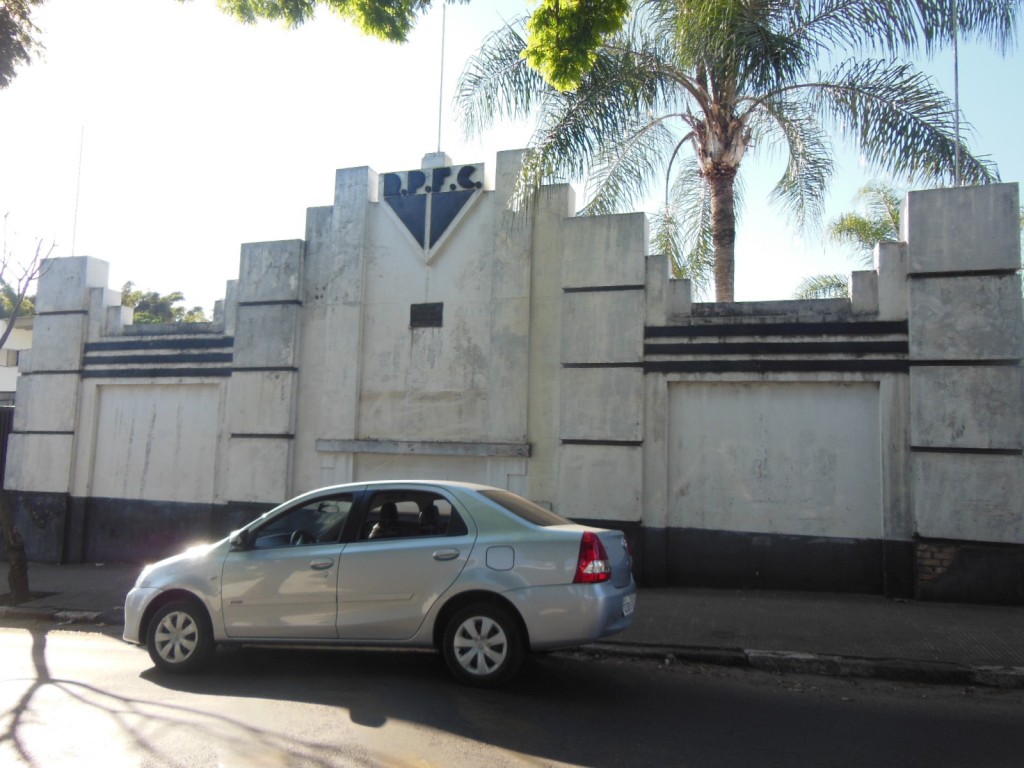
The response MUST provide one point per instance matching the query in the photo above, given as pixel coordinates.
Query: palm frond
(497, 83)
(611, 126)
(809, 166)
(681, 229)
(898, 27)
(835, 286)
(901, 122)
(624, 169)
(860, 233)
(883, 203)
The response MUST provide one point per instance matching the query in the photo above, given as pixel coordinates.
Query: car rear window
(527, 510)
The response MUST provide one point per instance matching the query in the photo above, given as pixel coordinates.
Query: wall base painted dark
(736, 560)
(971, 572)
(151, 531)
(61, 529)
(40, 518)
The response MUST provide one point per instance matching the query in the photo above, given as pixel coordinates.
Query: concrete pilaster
(966, 332)
(262, 392)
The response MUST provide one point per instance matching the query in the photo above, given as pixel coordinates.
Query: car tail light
(593, 565)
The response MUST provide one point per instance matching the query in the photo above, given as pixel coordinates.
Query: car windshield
(525, 509)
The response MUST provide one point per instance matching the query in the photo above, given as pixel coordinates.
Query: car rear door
(387, 582)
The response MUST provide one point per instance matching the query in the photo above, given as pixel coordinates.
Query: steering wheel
(300, 536)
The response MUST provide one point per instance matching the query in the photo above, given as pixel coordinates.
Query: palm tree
(690, 87)
(859, 231)
(878, 223)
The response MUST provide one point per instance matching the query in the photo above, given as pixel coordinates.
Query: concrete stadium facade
(421, 330)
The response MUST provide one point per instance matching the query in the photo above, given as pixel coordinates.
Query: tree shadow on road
(141, 720)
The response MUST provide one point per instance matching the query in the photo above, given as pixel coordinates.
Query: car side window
(316, 522)
(410, 514)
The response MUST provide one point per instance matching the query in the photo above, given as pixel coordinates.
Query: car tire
(179, 637)
(483, 645)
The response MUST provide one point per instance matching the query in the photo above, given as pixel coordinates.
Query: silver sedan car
(477, 572)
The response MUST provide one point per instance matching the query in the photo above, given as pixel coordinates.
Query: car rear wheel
(483, 645)
(180, 638)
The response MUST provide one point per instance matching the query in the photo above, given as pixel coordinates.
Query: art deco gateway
(420, 330)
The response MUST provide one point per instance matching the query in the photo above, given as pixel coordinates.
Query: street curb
(793, 662)
(902, 670)
(113, 617)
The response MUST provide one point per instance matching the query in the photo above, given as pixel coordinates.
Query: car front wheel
(483, 645)
(180, 638)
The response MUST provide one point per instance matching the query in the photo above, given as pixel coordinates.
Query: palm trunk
(723, 230)
(17, 561)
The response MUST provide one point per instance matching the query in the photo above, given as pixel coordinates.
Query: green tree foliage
(17, 276)
(564, 34)
(9, 299)
(860, 231)
(689, 88)
(151, 307)
(17, 37)
(878, 222)
(387, 19)
(835, 286)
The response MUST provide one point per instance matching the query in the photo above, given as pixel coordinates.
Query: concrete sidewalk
(801, 632)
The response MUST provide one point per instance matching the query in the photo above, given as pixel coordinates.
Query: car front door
(396, 569)
(283, 583)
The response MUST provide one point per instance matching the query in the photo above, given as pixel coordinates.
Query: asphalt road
(74, 697)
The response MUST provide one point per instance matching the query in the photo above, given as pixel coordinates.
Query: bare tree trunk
(723, 230)
(17, 561)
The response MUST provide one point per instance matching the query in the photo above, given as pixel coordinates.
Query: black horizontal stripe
(153, 343)
(266, 369)
(962, 273)
(995, 363)
(776, 366)
(271, 303)
(152, 373)
(968, 451)
(604, 288)
(857, 328)
(177, 358)
(611, 443)
(41, 432)
(781, 348)
(603, 365)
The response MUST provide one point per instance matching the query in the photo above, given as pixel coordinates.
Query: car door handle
(321, 565)
(446, 554)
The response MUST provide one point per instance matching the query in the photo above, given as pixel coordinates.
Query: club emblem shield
(429, 203)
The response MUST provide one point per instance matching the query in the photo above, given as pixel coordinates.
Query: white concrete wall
(154, 442)
(369, 379)
(540, 378)
(966, 327)
(800, 458)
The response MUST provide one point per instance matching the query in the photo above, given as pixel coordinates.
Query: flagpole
(78, 188)
(440, 90)
(956, 89)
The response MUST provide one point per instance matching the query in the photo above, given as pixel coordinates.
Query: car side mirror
(241, 541)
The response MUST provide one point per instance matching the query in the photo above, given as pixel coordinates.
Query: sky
(159, 136)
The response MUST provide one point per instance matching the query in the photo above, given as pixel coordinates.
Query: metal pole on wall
(956, 91)
(440, 90)
(78, 190)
